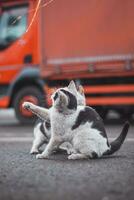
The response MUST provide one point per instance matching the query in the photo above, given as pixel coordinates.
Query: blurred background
(40, 51)
(46, 43)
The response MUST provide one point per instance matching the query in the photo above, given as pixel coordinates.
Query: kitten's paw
(41, 156)
(27, 105)
(72, 157)
(70, 151)
(34, 151)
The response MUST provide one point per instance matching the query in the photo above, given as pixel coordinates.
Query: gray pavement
(24, 177)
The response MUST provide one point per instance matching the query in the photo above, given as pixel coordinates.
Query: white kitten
(42, 129)
(79, 125)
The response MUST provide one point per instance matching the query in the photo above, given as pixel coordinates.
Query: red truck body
(89, 41)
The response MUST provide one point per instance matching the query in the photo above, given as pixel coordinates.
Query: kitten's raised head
(65, 99)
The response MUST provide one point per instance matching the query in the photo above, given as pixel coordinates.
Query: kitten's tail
(116, 144)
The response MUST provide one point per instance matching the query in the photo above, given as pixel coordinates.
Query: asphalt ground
(24, 177)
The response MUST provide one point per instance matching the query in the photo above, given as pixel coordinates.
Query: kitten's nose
(56, 96)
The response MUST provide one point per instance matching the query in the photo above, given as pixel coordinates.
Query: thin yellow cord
(36, 10)
(32, 10)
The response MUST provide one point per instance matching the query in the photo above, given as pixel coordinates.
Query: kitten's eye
(55, 96)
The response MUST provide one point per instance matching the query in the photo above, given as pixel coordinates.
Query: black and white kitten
(42, 129)
(79, 125)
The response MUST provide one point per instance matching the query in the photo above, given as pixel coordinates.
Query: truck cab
(84, 41)
(19, 58)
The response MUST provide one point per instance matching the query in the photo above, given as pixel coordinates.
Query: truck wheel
(31, 94)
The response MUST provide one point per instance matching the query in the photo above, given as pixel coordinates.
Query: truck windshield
(13, 24)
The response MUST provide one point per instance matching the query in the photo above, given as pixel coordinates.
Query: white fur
(87, 140)
(39, 138)
(42, 113)
(84, 139)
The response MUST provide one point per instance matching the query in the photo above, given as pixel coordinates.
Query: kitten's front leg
(37, 142)
(42, 113)
(53, 143)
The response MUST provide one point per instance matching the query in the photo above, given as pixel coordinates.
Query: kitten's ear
(81, 90)
(72, 86)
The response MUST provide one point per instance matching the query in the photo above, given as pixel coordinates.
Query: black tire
(32, 91)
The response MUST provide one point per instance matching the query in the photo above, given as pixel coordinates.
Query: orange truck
(90, 41)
